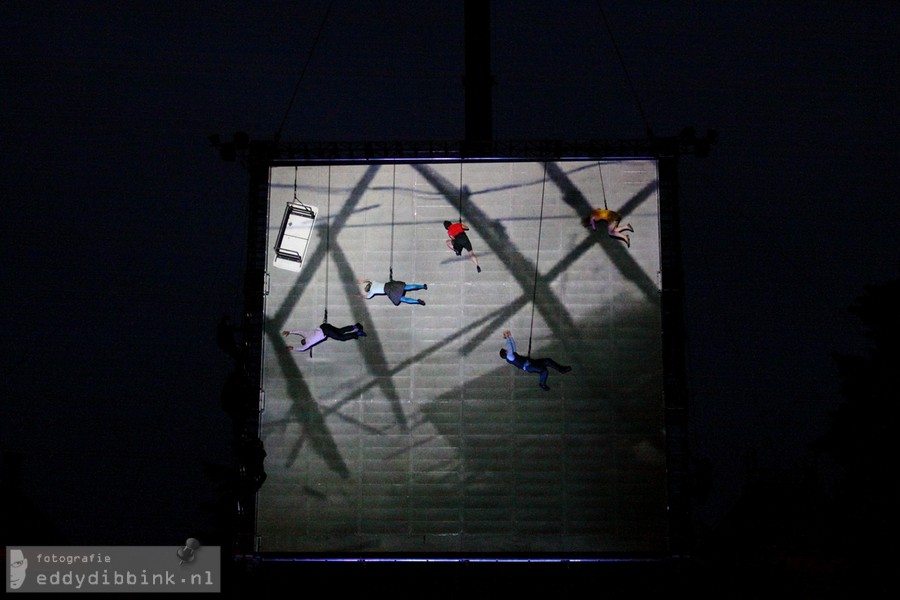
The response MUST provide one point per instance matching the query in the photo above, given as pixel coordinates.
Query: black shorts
(461, 242)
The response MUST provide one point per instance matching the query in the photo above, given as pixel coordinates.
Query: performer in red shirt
(460, 241)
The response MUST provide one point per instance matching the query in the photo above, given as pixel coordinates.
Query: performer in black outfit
(530, 365)
(311, 337)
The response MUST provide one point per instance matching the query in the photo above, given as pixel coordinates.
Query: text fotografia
(70, 559)
(116, 578)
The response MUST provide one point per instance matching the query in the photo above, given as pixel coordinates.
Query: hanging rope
(460, 192)
(303, 73)
(297, 200)
(637, 100)
(327, 244)
(393, 198)
(600, 168)
(537, 260)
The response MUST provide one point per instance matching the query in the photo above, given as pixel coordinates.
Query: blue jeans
(541, 365)
(538, 367)
(411, 287)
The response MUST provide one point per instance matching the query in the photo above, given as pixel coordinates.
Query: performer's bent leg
(543, 379)
(341, 334)
(549, 362)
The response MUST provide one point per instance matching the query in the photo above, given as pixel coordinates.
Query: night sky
(124, 232)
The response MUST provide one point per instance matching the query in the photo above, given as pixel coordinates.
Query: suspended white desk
(293, 238)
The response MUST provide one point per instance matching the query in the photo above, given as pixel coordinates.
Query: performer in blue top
(395, 290)
(530, 365)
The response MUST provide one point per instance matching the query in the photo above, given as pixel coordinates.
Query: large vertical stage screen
(419, 440)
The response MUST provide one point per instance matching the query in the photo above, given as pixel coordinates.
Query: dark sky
(123, 231)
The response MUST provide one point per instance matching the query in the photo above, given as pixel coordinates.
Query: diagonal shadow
(303, 407)
(375, 358)
(313, 415)
(493, 233)
(487, 325)
(305, 411)
(618, 254)
(498, 314)
(315, 261)
(521, 268)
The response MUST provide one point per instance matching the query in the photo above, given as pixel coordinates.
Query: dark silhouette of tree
(861, 438)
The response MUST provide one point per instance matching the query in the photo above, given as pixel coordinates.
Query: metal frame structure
(259, 156)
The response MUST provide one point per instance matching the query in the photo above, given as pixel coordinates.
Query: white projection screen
(419, 440)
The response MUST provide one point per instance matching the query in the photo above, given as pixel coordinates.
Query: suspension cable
(602, 188)
(393, 199)
(303, 73)
(537, 260)
(637, 100)
(327, 244)
(460, 191)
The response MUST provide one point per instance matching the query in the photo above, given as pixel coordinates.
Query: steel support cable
(537, 260)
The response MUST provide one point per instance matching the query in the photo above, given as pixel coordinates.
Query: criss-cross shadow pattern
(419, 437)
